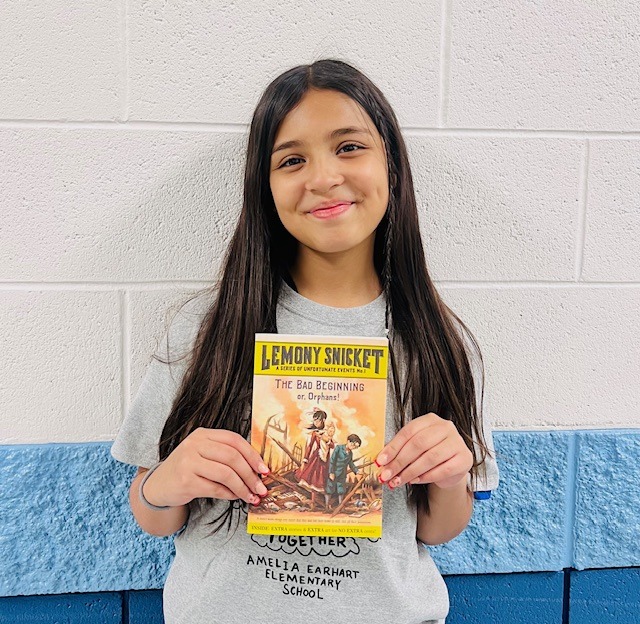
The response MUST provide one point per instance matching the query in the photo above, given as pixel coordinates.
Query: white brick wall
(523, 125)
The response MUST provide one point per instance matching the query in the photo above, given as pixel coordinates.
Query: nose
(323, 174)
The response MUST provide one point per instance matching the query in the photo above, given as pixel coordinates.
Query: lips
(331, 210)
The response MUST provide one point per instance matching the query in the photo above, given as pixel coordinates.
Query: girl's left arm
(429, 450)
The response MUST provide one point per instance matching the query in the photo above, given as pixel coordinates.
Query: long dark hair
(427, 339)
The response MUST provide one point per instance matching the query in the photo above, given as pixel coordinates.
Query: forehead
(318, 113)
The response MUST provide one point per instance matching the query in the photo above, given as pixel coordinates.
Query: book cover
(318, 421)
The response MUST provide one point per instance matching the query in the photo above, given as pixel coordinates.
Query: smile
(333, 211)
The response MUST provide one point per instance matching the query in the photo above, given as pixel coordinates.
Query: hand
(208, 463)
(332, 477)
(427, 450)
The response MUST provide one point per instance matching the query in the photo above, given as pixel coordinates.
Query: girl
(315, 465)
(327, 242)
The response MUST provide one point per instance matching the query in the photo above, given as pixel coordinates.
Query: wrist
(150, 504)
(463, 483)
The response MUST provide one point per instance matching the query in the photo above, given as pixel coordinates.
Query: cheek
(284, 197)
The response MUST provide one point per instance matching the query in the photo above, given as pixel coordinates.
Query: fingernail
(386, 474)
(260, 488)
(263, 468)
(381, 460)
(254, 500)
(395, 482)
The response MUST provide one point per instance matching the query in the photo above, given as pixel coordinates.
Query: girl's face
(329, 165)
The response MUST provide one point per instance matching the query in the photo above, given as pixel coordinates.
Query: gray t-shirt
(247, 579)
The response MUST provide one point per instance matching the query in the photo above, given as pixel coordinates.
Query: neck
(341, 280)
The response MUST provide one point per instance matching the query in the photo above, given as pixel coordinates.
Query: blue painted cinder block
(67, 526)
(521, 528)
(70, 609)
(605, 596)
(145, 607)
(607, 521)
(506, 598)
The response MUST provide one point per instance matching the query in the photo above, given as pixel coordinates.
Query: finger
(226, 476)
(445, 475)
(390, 451)
(208, 489)
(423, 441)
(235, 440)
(230, 456)
(439, 454)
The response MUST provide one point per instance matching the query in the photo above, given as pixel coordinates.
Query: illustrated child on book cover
(341, 459)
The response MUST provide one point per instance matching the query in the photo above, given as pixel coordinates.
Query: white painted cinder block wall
(122, 126)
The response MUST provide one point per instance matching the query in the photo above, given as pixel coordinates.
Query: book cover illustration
(318, 421)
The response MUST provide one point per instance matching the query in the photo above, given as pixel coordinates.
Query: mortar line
(169, 284)
(125, 332)
(445, 54)
(570, 500)
(190, 126)
(581, 233)
(125, 111)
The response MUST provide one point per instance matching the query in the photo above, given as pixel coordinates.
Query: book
(318, 421)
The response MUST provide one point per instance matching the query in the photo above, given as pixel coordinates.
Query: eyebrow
(332, 135)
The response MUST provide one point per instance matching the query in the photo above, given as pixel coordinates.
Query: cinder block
(605, 596)
(612, 238)
(178, 71)
(62, 61)
(61, 370)
(521, 527)
(506, 598)
(557, 357)
(145, 607)
(607, 524)
(67, 526)
(522, 65)
(105, 608)
(117, 206)
(497, 209)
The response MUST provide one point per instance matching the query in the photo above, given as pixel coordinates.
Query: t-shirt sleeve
(488, 480)
(137, 440)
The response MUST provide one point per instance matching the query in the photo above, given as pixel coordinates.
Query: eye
(351, 145)
(284, 165)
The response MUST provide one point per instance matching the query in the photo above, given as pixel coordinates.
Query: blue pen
(485, 495)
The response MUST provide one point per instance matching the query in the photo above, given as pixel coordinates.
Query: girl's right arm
(208, 463)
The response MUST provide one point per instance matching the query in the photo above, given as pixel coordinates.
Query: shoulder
(183, 321)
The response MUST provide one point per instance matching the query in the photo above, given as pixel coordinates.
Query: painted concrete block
(145, 607)
(497, 209)
(67, 527)
(607, 522)
(103, 608)
(61, 374)
(180, 72)
(605, 596)
(62, 60)
(98, 205)
(522, 526)
(557, 357)
(506, 598)
(612, 237)
(522, 65)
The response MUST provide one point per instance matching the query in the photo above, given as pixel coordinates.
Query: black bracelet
(140, 492)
